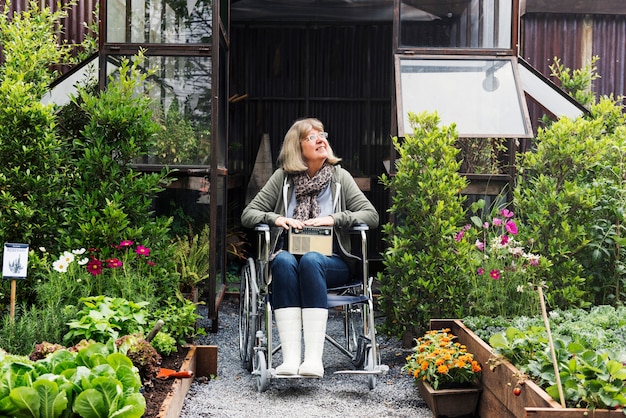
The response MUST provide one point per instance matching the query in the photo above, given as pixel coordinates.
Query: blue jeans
(303, 281)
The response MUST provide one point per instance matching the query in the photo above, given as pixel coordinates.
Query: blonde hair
(290, 156)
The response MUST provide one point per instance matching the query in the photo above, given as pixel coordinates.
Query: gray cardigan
(350, 206)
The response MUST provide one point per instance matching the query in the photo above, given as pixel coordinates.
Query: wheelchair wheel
(260, 372)
(354, 328)
(247, 325)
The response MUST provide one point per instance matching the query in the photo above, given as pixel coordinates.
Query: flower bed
(498, 399)
(202, 361)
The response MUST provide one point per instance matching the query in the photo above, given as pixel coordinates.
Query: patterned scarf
(307, 190)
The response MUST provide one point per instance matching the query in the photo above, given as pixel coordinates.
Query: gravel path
(233, 393)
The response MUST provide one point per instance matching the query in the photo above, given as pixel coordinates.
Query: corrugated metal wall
(74, 30)
(547, 35)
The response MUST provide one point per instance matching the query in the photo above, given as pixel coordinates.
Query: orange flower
(443, 369)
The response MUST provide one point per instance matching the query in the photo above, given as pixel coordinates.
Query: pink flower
(504, 239)
(494, 274)
(496, 221)
(141, 250)
(151, 263)
(486, 225)
(126, 243)
(511, 227)
(459, 235)
(114, 263)
(480, 245)
(480, 271)
(506, 213)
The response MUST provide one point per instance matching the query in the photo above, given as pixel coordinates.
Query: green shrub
(423, 276)
(32, 164)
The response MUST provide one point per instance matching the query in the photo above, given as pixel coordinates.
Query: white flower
(79, 252)
(520, 289)
(42, 249)
(67, 256)
(83, 261)
(60, 265)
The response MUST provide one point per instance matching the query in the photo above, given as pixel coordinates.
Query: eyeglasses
(321, 135)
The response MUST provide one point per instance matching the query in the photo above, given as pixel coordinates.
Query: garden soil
(232, 393)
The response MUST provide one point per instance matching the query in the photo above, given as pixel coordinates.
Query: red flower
(126, 243)
(94, 266)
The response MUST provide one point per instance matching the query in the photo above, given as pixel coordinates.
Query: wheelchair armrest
(261, 227)
(356, 228)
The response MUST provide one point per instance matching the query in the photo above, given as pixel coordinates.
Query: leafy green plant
(180, 320)
(192, 258)
(32, 325)
(95, 381)
(103, 318)
(423, 277)
(589, 347)
(164, 344)
(590, 378)
(32, 166)
(143, 355)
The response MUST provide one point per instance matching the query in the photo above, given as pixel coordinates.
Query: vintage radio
(311, 238)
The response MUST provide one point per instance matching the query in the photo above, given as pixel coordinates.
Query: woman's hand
(294, 223)
(289, 223)
(324, 221)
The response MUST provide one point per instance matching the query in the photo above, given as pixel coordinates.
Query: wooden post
(544, 314)
(12, 308)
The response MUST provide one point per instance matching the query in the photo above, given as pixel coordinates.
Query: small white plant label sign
(15, 261)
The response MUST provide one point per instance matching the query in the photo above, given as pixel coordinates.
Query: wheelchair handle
(360, 227)
(262, 227)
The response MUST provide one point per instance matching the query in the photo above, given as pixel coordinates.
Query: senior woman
(308, 189)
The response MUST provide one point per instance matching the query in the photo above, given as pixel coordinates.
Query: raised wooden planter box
(202, 361)
(497, 399)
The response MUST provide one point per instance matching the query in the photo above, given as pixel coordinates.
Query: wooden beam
(612, 7)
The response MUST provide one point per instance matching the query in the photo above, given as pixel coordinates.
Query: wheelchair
(353, 301)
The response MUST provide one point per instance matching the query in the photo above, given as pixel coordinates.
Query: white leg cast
(314, 326)
(289, 323)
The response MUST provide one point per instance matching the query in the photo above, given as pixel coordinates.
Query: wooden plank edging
(202, 361)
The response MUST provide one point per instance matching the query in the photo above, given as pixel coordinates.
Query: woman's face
(314, 147)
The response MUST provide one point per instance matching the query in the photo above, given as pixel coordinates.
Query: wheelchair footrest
(379, 371)
(291, 376)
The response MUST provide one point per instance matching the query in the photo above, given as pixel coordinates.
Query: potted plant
(446, 374)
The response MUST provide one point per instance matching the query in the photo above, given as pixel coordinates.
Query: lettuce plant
(96, 381)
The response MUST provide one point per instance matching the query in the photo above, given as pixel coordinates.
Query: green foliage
(164, 344)
(96, 381)
(102, 318)
(578, 83)
(571, 197)
(180, 320)
(191, 255)
(423, 277)
(31, 325)
(31, 161)
(589, 350)
(143, 355)
(110, 201)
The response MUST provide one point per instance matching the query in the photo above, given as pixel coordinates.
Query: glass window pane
(480, 95)
(149, 21)
(181, 87)
(456, 23)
